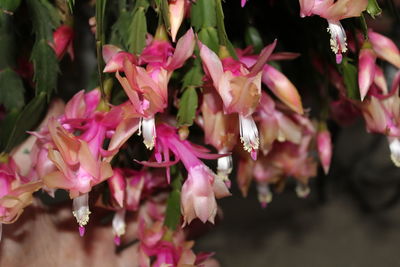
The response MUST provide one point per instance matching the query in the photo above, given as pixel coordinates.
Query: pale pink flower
(240, 90)
(366, 68)
(147, 88)
(202, 186)
(333, 12)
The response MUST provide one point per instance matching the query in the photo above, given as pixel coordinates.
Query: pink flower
(147, 88)
(15, 191)
(275, 125)
(366, 68)
(202, 186)
(240, 90)
(333, 12)
(277, 82)
(74, 144)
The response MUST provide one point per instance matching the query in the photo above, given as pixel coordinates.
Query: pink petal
(109, 51)
(184, 49)
(262, 59)
(176, 14)
(211, 63)
(385, 48)
(366, 70)
(282, 88)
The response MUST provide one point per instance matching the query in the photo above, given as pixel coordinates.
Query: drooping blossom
(284, 159)
(147, 87)
(128, 188)
(324, 145)
(74, 143)
(366, 68)
(381, 112)
(276, 81)
(165, 247)
(239, 88)
(385, 48)
(275, 125)
(220, 130)
(333, 12)
(202, 186)
(63, 38)
(15, 191)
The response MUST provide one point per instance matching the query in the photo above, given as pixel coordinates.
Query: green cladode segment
(173, 212)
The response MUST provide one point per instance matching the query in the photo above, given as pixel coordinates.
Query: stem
(222, 36)
(100, 9)
(364, 26)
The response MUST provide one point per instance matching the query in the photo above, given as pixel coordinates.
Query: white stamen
(81, 209)
(264, 194)
(394, 145)
(225, 165)
(149, 132)
(302, 190)
(224, 168)
(338, 37)
(118, 223)
(248, 133)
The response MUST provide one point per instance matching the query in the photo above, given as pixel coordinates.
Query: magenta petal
(81, 230)
(253, 154)
(339, 58)
(158, 165)
(262, 59)
(117, 240)
(184, 49)
(208, 155)
(109, 51)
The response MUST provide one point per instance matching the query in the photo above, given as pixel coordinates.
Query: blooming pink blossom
(15, 191)
(202, 186)
(333, 12)
(147, 88)
(240, 90)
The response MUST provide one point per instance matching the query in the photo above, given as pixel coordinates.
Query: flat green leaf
(209, 37)
(194, 77)
(45, 18)
(173, 212)
(350, 77)
(223, 37)
(202, 14)
(138, 31)
(7, 41)
(11, 90)
(46, 68)
(373, 8)
(9, 5)
(119, 32)
(253, 38)
(187, 107)
(27, 120)
(165, 14)
(6, 126)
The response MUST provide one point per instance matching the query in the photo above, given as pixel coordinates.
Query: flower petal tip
(81, 231)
